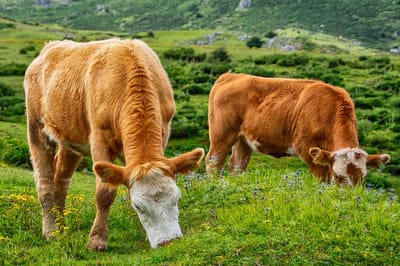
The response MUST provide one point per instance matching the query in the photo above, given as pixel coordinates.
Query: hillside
(366, 22)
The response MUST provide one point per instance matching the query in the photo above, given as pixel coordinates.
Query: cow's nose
(167, 242)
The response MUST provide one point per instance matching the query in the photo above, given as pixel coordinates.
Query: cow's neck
(141, 131)
(344, 134)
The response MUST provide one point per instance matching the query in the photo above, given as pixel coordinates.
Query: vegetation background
(276, 213)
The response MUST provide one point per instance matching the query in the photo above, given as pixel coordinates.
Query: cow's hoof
(97, 244)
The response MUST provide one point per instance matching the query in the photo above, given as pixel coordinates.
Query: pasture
(270, 216)
(275, 214)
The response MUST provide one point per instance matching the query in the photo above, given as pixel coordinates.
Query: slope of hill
(367, 22)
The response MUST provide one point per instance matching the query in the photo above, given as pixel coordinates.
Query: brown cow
(106, 99)
(279, 116)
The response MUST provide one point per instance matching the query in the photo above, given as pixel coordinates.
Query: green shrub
(13, 69)
(394, 102)
(195, 89)
(15, 152)
(14, 110)
(184, 53)
(332, 63)
(203, 78)
(6, 101)
(27, 49)
(270, 34)
(368, 103)
(188, 121)
(215, 69)
(254, 42)
(7, 25)
(390, 85)
(181, 96)
(293, 60)
(220, 55)
(320, 73)
(256, 70)
(6, 90)
(380, 139)
(362, 91)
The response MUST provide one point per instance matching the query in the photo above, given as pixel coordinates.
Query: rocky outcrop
(244, 4)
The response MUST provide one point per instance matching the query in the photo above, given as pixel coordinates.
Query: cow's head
(348, 166)
(153, 192)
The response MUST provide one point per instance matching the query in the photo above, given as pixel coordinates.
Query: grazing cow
(279, 116)
(108, 99)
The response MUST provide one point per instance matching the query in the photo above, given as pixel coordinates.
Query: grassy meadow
(270, 216)
(275, 214)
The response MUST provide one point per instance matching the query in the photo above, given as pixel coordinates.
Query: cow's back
(70, 85)
(278, 113)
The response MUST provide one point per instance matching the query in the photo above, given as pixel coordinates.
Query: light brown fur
(106, 99)
(278, 115)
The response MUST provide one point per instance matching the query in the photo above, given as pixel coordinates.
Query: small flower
(267, 209)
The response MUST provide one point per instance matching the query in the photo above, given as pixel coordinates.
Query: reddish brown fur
(278, 114)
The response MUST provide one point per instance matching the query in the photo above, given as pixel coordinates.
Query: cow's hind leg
(66, 163)
(241, 153)
(42, 154)
(220, 147)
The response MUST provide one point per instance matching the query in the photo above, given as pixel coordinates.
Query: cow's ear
(111, 174)
(319, 156)
(376, 160)
(187, 162)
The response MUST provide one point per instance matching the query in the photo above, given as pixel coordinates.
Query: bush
(293, 60)
(184, 53)
(194, 89)
(336, 62)
(394, 102)
(254, 42)
(320, 73)
(181, 96)
(188, 122)
(7, 101)
(7, 25)
(14, 151)
(380, 139)
(26, 49)
(270, 34)
(215, 69)
(368, 103)
(391, 86)
(6, 90)
(219, 55)
(256, 70)
(13, 69)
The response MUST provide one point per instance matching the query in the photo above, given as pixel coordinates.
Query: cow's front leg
(105, 196)
(99, 233)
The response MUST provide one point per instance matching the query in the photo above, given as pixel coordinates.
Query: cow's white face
(153, 191)
(349, 166)
(155, 198)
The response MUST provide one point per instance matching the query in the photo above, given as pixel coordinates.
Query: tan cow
(106, 99)
(280, 117)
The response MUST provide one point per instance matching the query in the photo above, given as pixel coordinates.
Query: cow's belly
(70, 137)
(271, 147)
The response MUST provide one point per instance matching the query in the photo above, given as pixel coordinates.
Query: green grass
(270, 216)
